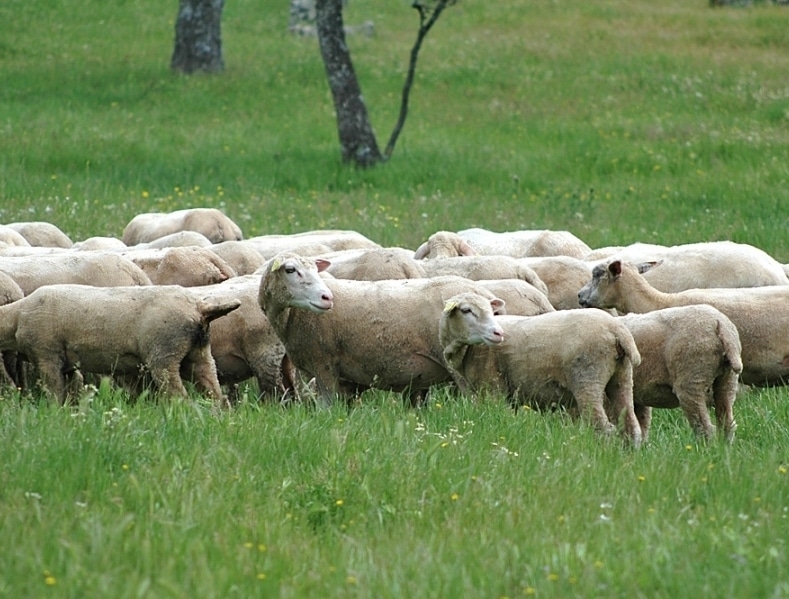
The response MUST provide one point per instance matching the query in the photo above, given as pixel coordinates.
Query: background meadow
(619, 121)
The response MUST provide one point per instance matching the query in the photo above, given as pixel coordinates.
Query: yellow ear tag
(275, 265)
(449, 306)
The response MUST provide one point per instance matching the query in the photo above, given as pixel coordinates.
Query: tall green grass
(620, 121)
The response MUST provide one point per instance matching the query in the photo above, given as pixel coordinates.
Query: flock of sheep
(183, 296)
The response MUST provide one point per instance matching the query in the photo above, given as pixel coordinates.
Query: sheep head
(293, 281)
(468, 319)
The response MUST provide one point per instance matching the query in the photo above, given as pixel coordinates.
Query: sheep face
(470, 318)
(304, 287)
(605, 290)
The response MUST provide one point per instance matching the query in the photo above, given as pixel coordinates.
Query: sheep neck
(641, 297)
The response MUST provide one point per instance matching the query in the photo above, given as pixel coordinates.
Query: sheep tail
(627, 344)
(730, 338)
(213, 308)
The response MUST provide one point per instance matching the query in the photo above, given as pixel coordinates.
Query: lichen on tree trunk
(198, 37)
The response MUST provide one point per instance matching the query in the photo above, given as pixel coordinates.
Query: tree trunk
(198, 37)
(357, 139)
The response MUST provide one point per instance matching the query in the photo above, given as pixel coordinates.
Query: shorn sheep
(352, 335)
(761, 314)
(519, 244)
(582, 361)
(115, 331)
(212, 223)
(690, 358)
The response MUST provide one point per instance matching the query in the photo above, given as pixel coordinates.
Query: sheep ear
(466, 249)
(645, 266)
(615, 268)
(276, 265)
(449, 306)
(497, 305)
(421, 252)
(322, 264)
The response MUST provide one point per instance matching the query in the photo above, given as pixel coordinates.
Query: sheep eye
(466, 310)
(290, 269)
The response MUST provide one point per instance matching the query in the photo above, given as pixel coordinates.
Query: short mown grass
(619, 121)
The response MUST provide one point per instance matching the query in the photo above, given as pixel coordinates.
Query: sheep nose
(327, 296)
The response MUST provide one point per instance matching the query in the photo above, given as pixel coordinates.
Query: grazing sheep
(177, 240)
(9, 292)
(761, 314)
(42, 234)
(704, 265)
(212, 223)
(115, 331)
(352, 335)
(186, 266)
(443, 244)
(9, 237)
(99, 244)
(240, 255)
(311, 243)
(479, 268)
(519, 244)
(243, 343)
(85, 268)
(563, 277)
(690, 358)
(375, 264)
(560, 359)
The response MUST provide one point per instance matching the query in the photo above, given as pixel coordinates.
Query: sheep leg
(50, 371)
(167, 379)
(693, 398)
(644, 417)
(591, 407)
(619, 392)
(724, 391)
(205, 377)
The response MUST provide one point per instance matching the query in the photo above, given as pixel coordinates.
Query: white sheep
(519, 244)
(563, 277)
(9, 292)
(690, 358)
(212, 223)
(244, 344)
(99, 244)
(479, 268)
(311, 243)
(443, 244)
(188, 266)
(352, 335)
(98, 269)
(374, 264)
(579, 360)
(240, 255)
(703, 265)
(42, 234)
(179, 239)
(9, 238)
(115, 331)
(761, 314)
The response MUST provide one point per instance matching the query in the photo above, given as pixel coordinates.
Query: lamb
(212, 223)
(97, 269)
(484, 267)
(690, 358)
(704, 265)
(443, 244)
(519, 244)
(42, 234)
(761, 314)
(559, 359)
(351, 335)
(115, 331)
(186, 266)
(244, 344)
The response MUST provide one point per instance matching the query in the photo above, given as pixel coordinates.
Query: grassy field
(619, 121)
